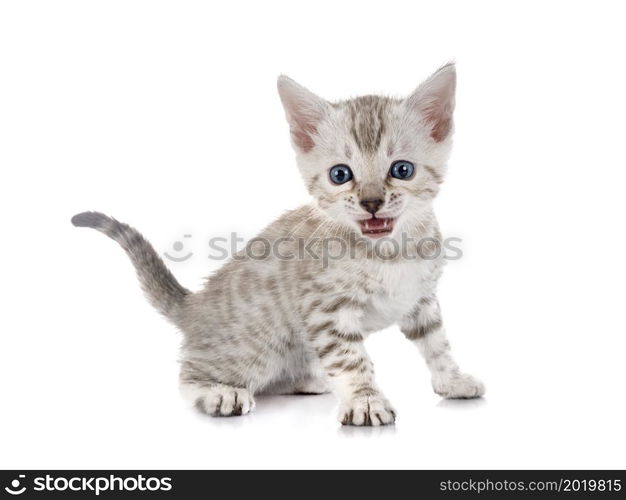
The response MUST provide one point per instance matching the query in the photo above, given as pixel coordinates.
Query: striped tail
(157, 282)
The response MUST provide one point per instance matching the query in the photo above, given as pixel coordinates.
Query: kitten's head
(373, 163)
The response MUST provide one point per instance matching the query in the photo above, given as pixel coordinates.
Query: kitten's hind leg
(305, 386)
(218, 400)
(312, 386)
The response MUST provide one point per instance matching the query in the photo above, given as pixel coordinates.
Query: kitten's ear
(304, 111)
(434, 101)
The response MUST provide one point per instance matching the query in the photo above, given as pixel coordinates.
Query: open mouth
(377, 227)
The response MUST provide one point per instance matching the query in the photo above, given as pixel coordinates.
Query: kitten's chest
(396, 289)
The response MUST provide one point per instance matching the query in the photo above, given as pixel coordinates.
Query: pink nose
(372, 206)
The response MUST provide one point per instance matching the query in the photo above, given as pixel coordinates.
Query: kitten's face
(373, 163)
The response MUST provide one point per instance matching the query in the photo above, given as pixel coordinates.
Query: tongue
(374, 223)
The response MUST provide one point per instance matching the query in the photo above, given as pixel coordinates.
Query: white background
(165, 115)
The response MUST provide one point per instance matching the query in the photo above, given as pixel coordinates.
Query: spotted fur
(297, 325)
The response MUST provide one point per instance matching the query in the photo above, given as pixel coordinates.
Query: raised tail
(158, 283)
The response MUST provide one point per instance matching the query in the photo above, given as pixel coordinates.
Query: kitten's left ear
(304, 111)
(434, 101)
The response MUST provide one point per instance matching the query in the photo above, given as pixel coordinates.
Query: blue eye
(402, 170)
(340, 174)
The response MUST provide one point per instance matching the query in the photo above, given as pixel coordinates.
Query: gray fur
(298, 325)
(157, 282)
(367, 120)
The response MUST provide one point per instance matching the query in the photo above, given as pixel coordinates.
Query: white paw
(367, 411)
(220, 400)
(458, 385)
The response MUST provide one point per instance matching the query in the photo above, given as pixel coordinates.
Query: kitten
(292, 322)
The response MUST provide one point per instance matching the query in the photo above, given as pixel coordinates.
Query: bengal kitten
(294, 321)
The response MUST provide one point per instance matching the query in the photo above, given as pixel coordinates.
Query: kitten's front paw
(367, 411)
(224, 401)
(458, 386)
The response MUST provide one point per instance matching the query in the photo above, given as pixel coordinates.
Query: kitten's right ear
(434, 100)
(304, 111)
